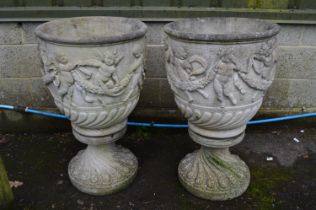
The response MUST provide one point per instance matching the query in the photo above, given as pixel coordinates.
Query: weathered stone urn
(219, 70)
(93, 67)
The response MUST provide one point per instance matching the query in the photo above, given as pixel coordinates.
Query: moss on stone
(6, 195)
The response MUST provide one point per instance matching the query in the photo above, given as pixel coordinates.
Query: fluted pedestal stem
(214, 174)
(102, 169)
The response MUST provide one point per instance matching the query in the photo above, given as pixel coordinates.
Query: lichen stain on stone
(221, 163)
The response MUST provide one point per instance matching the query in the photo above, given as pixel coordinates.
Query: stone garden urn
(219, 70)
(93, 67)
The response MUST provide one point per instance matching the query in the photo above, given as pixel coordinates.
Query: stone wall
(293, 89)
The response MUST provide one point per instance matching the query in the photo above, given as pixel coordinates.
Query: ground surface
(39, 161)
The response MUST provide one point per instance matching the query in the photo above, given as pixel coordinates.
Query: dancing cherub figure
(226, 80)
(263, 60)
(59, 73)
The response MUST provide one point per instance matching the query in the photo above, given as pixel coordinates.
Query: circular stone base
(103, 169)
(214, 174)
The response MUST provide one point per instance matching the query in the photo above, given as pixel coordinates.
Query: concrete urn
(219, 70)
(93, 67)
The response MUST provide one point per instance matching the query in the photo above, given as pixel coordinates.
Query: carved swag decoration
(193, 73)
(95, 78)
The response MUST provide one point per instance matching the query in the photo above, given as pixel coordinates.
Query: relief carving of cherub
(106, 69)
(99, 74)
(263, 59)
(189, 69)
(58, 72)
(226, 80)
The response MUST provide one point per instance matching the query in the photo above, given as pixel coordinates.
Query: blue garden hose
(158, 125)
(33, 111)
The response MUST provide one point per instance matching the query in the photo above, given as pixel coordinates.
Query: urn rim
(91, 30)
(221, 29)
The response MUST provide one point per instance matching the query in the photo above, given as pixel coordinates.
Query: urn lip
(222, 29)
(91, 30)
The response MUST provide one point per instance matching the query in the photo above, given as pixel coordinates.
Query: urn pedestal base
(102, 169)
(214, 174)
